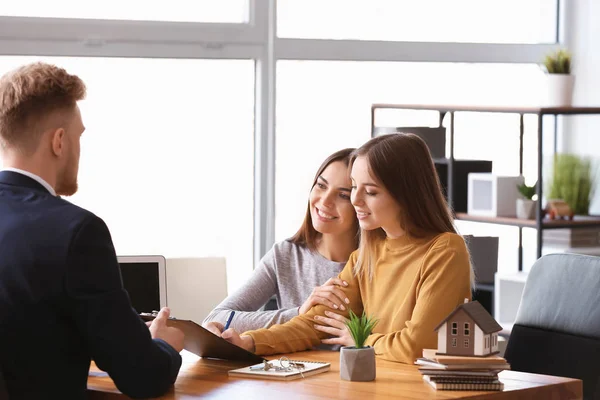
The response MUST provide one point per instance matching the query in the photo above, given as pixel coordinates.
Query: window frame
(454, 329)
(257, 40)
(87, 32)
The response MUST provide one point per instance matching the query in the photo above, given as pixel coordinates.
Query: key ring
(285, 365)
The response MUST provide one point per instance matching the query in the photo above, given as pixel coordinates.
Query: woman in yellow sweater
(410, 271)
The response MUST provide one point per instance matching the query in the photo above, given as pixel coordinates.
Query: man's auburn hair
(29, 96)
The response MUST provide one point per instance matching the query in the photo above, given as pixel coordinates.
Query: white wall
(195, 286)
(479, 342)
(442, 338)
(582, 133)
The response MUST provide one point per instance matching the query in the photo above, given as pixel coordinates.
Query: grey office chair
(557, 329)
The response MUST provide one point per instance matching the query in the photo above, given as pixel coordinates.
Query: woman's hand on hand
(335, 325)
(329, 294)
(245, 342)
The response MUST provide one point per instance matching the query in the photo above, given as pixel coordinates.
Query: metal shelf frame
(540, 112)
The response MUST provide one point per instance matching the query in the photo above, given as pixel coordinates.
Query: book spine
(463, 379)
(469, 386)
(308, 362)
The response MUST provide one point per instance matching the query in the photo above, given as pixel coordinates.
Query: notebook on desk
(203, 343)
(298, 369)
(464, 384)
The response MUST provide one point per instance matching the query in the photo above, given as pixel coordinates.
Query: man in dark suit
(62, 302)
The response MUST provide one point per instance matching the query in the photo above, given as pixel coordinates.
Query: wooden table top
(208, 379)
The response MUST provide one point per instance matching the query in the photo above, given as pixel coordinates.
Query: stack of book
(445, 372)
(581, 237)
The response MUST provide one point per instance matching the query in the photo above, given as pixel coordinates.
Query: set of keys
(285, 365)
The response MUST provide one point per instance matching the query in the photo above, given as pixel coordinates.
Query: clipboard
(203, 343)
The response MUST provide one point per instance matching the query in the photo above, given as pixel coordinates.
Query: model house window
(467, 330)
(487, 342)
(453, 342)
(455, 328)
(466, 343)
(495, 340)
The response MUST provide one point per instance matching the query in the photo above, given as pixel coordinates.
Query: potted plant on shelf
(574, 181)
(357, 363)
(526, 205)
(559, 80)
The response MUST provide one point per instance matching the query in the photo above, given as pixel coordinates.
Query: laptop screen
(144, 281)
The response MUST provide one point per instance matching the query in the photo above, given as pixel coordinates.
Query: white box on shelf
(508, 289)
(492, 195)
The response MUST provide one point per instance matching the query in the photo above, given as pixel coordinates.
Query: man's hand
(245, 342)
(160, 330)
(215, 327)
(329, 295)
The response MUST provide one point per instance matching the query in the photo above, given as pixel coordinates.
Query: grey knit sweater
(288, 271)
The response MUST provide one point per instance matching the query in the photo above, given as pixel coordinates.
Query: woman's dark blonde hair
(307, 235)
(402, 164)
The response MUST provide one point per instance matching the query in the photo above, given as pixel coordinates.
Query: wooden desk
(209, 379)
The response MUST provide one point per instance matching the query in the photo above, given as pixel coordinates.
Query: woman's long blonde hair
(403, 165)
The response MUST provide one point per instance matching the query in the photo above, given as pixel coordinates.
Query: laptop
(145, 280)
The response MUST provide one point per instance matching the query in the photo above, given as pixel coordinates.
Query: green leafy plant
(574, 181)
(527, 191)
(558, 62)
(360, 328)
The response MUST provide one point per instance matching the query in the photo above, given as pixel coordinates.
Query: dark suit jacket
(62, 302)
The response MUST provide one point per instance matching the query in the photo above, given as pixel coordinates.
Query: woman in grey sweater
(301, 271)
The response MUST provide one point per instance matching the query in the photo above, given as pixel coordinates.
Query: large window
(167, 155)
(230, 11)
(177, 112)
(475, 21)
(325, 106)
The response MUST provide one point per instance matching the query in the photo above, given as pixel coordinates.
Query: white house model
(469, 330)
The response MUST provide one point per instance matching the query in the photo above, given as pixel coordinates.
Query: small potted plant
(559, 80)
(574, 180)
(357, 363)
(526, 204)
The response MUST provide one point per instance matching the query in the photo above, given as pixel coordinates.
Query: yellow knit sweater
(416, 284)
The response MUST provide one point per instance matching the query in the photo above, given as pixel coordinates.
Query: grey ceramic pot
(357, 364)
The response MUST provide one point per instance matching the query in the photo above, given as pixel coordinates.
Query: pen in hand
(229, 320)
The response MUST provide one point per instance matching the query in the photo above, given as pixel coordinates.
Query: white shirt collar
(33, 176)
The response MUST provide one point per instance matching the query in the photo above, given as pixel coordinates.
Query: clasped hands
(329, 294)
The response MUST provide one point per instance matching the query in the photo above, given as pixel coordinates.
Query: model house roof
(480, 316)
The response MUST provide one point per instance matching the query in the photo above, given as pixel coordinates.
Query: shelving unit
(580, 221)
(539, 223)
